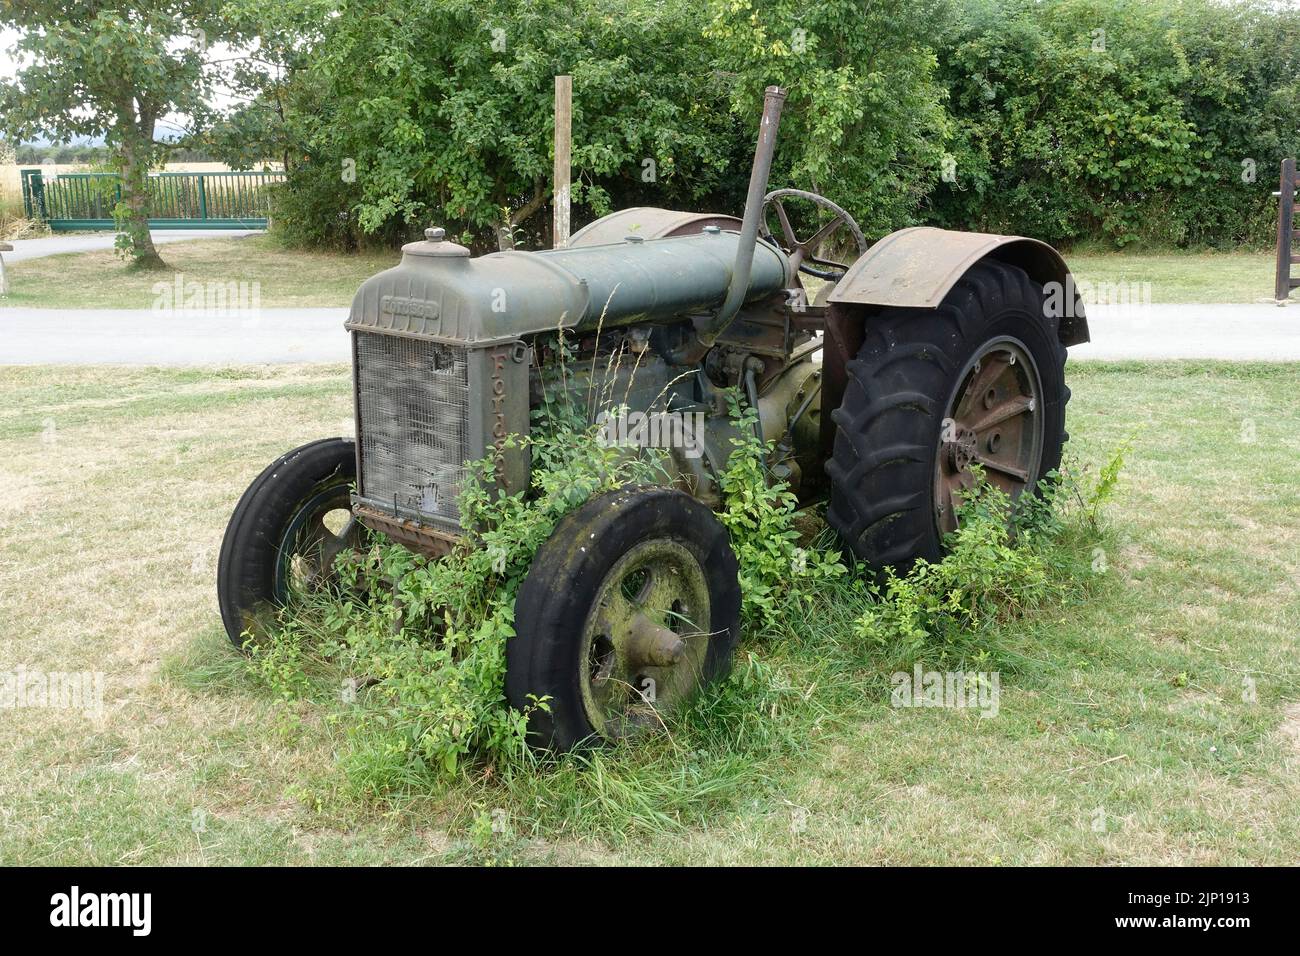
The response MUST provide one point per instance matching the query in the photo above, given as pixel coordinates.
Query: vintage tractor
(930, 352)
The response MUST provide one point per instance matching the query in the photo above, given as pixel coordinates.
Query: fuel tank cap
(435, 244)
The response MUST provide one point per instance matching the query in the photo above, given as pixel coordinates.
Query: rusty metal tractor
(929, 352)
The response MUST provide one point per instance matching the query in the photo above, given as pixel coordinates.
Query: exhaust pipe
(773, 100)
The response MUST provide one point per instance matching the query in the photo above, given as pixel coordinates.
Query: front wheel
(978, 381)
(287, 529)
(630, 606)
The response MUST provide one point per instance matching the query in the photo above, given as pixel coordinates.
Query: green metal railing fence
(74, 201)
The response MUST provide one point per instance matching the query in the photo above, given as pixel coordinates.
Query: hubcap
(646, 638)
(321, 529)
(994, 419)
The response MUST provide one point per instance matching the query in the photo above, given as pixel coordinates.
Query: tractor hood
(440, 292)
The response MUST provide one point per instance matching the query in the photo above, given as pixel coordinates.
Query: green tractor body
(879, 387)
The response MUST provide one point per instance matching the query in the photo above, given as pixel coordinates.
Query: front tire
(287, 529)
(630, 606)
(979, 379)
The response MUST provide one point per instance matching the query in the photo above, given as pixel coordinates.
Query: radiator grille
(412, 407)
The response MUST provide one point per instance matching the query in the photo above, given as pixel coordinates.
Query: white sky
(7, 39)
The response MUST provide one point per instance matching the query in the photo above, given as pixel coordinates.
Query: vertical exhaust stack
(773, 100)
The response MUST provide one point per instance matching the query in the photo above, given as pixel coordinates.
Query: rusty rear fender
(916, 267)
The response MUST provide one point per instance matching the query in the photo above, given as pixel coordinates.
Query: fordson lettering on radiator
(500, 427)
(408, 308)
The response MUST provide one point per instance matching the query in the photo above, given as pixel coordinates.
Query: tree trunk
(133, 219)
(506, 230)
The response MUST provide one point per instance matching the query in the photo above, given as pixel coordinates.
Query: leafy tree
(273, 115)
(111, 68)
(441, 110)
(1159, 121)
(864, 121)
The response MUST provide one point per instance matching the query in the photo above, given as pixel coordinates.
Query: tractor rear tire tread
(888, 424)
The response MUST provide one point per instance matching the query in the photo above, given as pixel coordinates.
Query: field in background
(11, 198)
(1182, 276)
(293, 278)
(1157, 724)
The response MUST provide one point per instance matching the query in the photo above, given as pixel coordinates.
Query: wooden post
(563, 151)
(1285, 225)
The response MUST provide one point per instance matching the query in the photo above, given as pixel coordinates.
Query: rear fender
(914, 269)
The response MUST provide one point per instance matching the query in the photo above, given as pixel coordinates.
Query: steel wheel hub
(321, 530)
(994, 420)
(646, 638)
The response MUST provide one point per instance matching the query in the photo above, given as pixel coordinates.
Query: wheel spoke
(990, 369)
(335, 544)
(665, 588)
(1007, 469)
(1009, 409)
(948, 520)
(614, 611)
(787, 231)
(821, 235)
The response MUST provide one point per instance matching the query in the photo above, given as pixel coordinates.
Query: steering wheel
(803, 254)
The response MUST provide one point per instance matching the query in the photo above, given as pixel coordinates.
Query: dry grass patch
(1133, 704)
(283, 277)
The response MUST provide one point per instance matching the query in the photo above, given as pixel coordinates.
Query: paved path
(278, 336)
(1261, 332)
(142, 337)
(57, 245)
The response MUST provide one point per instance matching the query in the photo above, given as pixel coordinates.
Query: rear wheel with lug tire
(978, 381)
(630, 607)
(287, 530)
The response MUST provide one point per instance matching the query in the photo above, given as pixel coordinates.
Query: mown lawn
(1156, 723)
(285, 278)
(1205, 277)
(293, 278)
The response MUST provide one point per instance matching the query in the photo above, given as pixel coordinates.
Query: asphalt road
(29, 336)
(143, 337)
(1262, 332)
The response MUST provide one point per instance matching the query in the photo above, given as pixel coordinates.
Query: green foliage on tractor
(406, 656)
(776, 574)
(431, 635)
